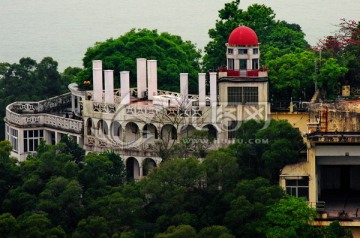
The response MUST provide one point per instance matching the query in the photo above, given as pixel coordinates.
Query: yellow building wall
(296, 119)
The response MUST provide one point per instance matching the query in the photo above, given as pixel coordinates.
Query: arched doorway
(187, 131)
(132, 132)
(149, 133)
(102, 128)
(168, 132)
(116, 131)
(132, 168)
(212, 130)
(148, 166)
(89, 127)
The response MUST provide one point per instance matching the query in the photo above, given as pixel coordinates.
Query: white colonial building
(130, 120)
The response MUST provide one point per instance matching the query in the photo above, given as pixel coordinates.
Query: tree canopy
(29, 80)
(272, 33)
(342, 47)
(174, 56)
(232, 192)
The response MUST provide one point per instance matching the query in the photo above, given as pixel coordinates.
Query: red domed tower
(242, 52)
(243, 87)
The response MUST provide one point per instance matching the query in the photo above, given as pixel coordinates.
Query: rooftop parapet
(335, 122)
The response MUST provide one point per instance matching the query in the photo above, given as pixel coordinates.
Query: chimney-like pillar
(125, 87)
(97, 81)
(184, 85)
(109, 86)
(152, 78)
(202, 89)
(213, 89)
(141, 77)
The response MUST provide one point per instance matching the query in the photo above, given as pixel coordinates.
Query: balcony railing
(39, 114)
(134, 92)
(332, 137)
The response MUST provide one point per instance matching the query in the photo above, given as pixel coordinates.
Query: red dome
(243, 35)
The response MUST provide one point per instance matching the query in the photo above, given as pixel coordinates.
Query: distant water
(64, 29)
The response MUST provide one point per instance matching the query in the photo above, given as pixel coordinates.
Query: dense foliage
(343, 47)
(272, 34)
(61, 192)
(295, 70)
(174, 56)
(29, 81)
(232, 192)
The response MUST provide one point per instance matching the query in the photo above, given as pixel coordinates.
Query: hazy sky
(65, 29)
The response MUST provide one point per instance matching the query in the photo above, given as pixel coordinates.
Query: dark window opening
(298, 187)
(243, 64)
(242, 95)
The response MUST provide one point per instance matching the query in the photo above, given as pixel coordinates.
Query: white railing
(43, 119)
(147, 110)
(133, 91)
(38, 114)
(43, 106)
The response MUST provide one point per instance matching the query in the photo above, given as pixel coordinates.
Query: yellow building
(330, 176)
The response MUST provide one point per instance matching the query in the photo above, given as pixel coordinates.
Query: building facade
(329, 177)
(130, 121)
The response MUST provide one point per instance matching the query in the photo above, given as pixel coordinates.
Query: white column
(109, 86)
(57, 137)
(97, 81)
(125, 87)
(79, 105)
(152, 78)
(72, 103)
(213, 89)
(202, 90)
(184, 85)
(141, 77)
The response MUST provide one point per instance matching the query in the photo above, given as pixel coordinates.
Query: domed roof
(243, 35)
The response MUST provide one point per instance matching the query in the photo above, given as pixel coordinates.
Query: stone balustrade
(48, 105)
(128, 148)
(133, 91)
(143, 109)
(38, 114)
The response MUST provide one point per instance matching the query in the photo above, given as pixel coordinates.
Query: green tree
(49, 80)
(121, 208)
(249, 202)
(62, 200)
(9, 171)
(92, 227)
(344, 45)
(215, 232)
(8, 225)
(284, 144)
(117, 170)
(38, 226)
(35, 81)
(69, 74)
(331, 75)
(68, 145)
(271, 33)
(172, 192)
(290, 217)
(182, 231)
(292, 76)
(196, 145)
(94, 174)
(174, 56)
(279, 144)
(222, 170)
(335, 230)
(230, 18)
